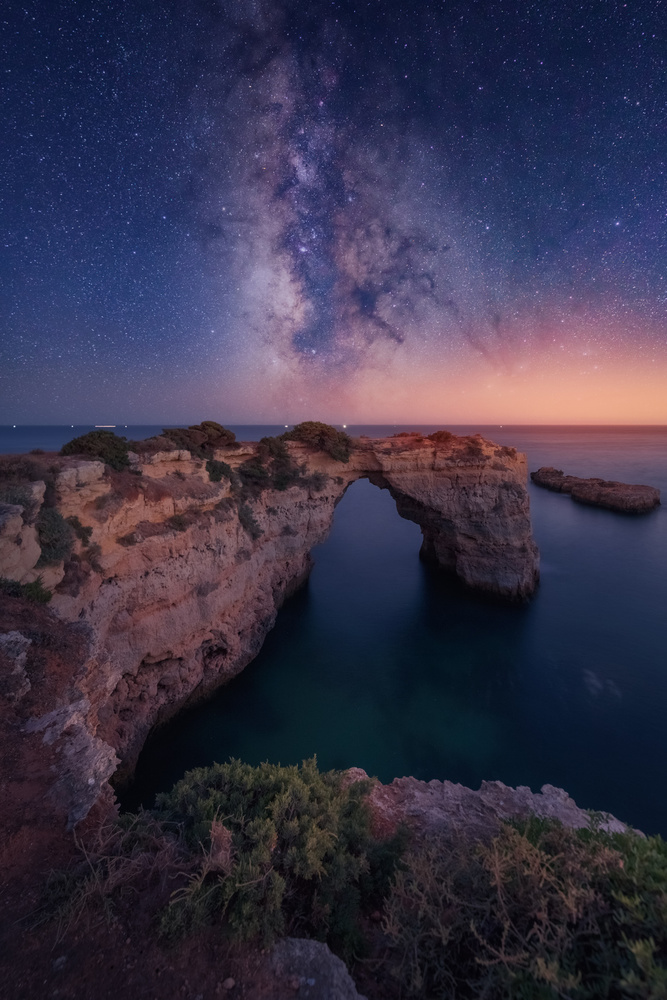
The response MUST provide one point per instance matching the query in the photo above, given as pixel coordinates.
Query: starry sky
(264, 211)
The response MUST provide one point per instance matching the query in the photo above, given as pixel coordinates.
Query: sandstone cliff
(176, 579)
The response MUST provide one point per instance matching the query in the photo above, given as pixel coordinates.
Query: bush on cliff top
(200, 439)
(324, 437)
(282, 850)
(105, 445)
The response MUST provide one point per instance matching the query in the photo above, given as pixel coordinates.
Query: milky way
(265, 209)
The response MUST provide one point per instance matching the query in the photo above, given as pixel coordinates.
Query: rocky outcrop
(624, 497)
(311, 971)
(443, 808)
(178, 578)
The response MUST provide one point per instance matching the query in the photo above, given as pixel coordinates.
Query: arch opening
(370, 664)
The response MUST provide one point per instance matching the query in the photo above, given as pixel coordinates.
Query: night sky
(359, 212)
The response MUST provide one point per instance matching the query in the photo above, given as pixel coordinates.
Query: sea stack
(627, 498)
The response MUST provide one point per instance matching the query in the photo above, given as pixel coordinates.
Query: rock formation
(176, 579)
(624, 497)
(445, 808)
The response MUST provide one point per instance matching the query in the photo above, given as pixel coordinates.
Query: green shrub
(253, 476)
(317, 481)
(285, 849)
(82, 531)
(216, 470)
(249, 522)
(105, 445)
(218, 435)
(178, 522)
(442, 437)
(56, 537)
(20, 496)
(284, 471)
(200, 439)
(272, 467)
(324, 437)
(35, 591)
(540, 912)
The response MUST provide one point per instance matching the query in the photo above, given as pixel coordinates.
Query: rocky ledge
(627, 498)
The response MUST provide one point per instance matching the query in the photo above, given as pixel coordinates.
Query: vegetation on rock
(542, 911)
(82, 531)
(56, 537)
(441, 437)
(249, 522)
(216, 470)
(19, 495)
(104, 445)
(324, 437)
(537, 912)
(200, 439)
(281, 849)
(35, 592)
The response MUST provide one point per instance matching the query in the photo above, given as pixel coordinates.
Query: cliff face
(181, 578)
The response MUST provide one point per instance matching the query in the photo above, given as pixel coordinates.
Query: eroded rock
(627, 498)
(446, 808)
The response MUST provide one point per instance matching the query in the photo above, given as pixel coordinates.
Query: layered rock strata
(177, 579)
(628, 498)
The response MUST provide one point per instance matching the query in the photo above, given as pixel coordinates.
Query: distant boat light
(104, 425)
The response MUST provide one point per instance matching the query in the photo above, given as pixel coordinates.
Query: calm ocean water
(381, 663)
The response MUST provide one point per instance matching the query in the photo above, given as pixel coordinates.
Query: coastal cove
(380, 662)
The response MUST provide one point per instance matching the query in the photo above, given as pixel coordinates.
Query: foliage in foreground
(285, 850)
(540, 912)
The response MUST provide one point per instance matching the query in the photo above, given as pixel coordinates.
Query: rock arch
(187, 577)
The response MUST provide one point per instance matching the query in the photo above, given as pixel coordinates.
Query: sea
(382, 662)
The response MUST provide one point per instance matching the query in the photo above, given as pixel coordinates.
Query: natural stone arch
(188, 576)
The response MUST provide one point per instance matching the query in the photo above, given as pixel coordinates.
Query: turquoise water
(381, 663)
